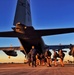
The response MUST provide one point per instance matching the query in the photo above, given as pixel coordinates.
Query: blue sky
(46, 14)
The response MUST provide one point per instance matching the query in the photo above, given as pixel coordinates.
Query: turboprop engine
(10, 53)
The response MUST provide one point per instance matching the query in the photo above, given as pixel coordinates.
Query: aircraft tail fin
(23, 13)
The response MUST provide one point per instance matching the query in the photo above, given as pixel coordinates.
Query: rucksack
(56, 55)
(48, 53)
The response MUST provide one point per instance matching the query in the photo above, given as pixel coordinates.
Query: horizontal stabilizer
(11, 34)
(8, 34)
(54, 31)
(11, 48)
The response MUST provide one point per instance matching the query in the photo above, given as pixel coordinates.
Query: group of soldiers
(35, 58)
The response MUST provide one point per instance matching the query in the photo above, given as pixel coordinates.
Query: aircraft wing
(12, 34)
(8, 34)
(11, 48)
(54, 31)
(57, 47)
(10, 51)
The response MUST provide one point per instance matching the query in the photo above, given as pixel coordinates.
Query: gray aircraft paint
(23, 13)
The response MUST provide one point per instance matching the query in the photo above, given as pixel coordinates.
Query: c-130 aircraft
(26, 33)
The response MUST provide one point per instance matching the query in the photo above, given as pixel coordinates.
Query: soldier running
(55, 55)
(48, 57)
(61, 56)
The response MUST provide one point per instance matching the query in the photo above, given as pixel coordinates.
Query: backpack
(49, 53)
(63, 55)
(56, 55)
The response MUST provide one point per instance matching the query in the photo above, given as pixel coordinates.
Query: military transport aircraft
(26, 33)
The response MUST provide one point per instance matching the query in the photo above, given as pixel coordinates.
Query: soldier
(48, 57)
(55, 55)
(71, 51)
(61, 56)
(29, 58)
(33, 56)
(37, 59)
(42, 59)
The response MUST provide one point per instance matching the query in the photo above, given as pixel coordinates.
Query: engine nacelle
(10, 53)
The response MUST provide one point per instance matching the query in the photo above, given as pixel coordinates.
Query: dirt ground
(24, 69)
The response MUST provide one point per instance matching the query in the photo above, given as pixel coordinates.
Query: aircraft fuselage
(30, 38)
